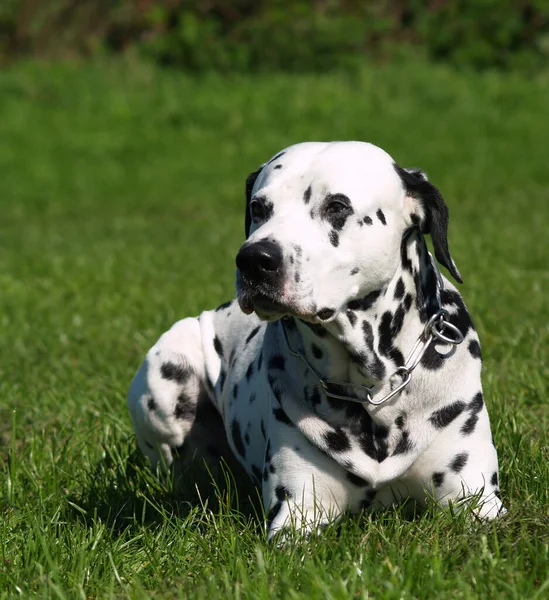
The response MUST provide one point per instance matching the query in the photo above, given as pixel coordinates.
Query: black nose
(259, 259)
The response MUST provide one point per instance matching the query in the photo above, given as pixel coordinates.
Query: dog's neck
(368, 341)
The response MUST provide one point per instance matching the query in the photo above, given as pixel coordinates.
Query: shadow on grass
(122, 491)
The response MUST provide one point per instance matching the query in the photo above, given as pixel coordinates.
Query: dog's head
(324, 225)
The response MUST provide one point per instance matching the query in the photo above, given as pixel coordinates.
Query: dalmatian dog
(346, 375)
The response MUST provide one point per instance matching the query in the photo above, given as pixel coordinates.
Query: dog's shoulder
(231, 332)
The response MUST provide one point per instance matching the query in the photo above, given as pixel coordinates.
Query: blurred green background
(255, 35)
(127, 130)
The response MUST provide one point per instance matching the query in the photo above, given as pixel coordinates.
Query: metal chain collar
(438, 328)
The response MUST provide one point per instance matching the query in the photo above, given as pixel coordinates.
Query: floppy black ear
(250, 180)
(435, 219)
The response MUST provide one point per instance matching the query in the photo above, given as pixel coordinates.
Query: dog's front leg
(166, 392)
(303, 489)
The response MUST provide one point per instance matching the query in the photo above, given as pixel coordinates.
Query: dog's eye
(335, 207)
(336, 204)
(257, 210)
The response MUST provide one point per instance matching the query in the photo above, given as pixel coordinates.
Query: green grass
(121, 211)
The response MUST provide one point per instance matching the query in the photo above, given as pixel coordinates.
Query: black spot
(307, 195)
(278, 167)
(247, 438)
(469, 426)
(385, 333)
(151, 404)
(275, 389)
(174, 372)
(263, 432)
(398, 321)
(354, 271)
(382, 450)
(438, 479)
(224, 306)
(494, 479)
(367, 444)
(235, 391)
(149, 445)
(337, 440)
(400, 421)
(389, 328)
(317, 352)
(396, 356)
(256, 471)
(497, 494)
(399, 289)
(282, 493)
(260, 361)
(249, 371)
(407, 302)
(459, 462)
(316, 328)
(477, 403)
(315, 398)
(281, 416)
(381, 216)
(404, 444)
(443, 417)
(335, 403)
(184, 409)
(450, 298)
(367, 221)
(273, 512)
(356, 480)
(461, 318)
(221, 380)
(375, 366)
(364, 303)
(277, 361)
(297, 277)
(404, 258)
(253, 333)
(474, 349)
(276, 157)
(351, 316)
(369, 497)
(218, 346)
(236, 434)
(381, 431)
(325, 313)
(334, 238)
(432, 360)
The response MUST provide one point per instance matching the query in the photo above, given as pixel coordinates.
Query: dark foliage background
(298, 35)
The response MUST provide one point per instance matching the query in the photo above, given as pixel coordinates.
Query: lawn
(121, 211)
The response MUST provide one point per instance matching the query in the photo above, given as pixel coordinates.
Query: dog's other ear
(434, 220)
(250, 180)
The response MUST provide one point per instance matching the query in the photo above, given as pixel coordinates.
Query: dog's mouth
(269, 308)
(264, 305)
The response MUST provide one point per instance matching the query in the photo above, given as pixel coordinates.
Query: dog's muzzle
(260, 280)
